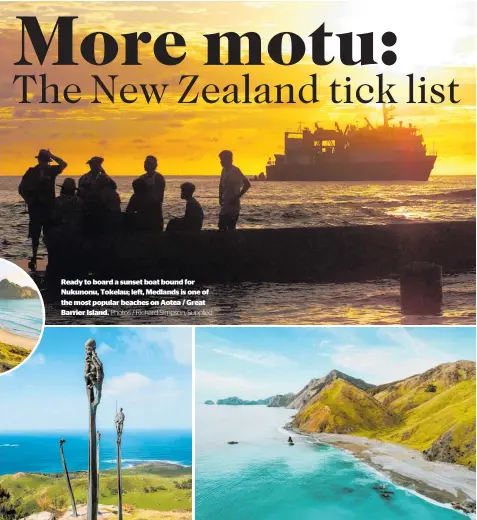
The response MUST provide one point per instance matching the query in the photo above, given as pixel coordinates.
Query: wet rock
(232, 442)
(467, 506)
(383, 491)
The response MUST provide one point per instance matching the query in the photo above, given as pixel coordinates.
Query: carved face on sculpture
(90, 346)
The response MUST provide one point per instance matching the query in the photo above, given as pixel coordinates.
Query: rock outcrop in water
(13, 291)
(439, 422)
(209, 402)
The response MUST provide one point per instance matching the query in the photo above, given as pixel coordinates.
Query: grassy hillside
(11, 356)
(444, 424)
(407, 394)
(343, 408)
(145, 487)
(432, 412)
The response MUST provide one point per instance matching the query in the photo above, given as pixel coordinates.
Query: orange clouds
(187, 138)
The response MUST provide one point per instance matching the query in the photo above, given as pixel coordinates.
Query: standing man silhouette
(156, 185)
(37, 188)
(233, 185)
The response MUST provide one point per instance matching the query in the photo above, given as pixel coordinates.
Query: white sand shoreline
(439, 481)
(16, 340)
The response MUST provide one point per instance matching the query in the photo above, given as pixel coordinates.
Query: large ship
(389, 152)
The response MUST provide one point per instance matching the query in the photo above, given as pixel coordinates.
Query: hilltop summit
(13, 291)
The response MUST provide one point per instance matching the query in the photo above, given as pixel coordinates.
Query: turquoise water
(262, 478)
(24, 317)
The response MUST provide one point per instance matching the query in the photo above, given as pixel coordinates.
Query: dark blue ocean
(38, 452)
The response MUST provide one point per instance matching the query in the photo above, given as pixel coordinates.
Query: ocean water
(283, 204)
(262, 478)
(296, 204)
(374, 302)
(24, 317)
(39, 451)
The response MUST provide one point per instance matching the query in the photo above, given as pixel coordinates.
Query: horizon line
(218, 175)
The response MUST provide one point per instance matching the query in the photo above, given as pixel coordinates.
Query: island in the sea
(209, 402)
(273, 402)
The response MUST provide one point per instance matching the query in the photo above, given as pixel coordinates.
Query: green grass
(11, 356)
(343, 408)
(143, 487)
(404, 414)
(452, 410)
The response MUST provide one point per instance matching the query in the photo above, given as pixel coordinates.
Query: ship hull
(403, 170)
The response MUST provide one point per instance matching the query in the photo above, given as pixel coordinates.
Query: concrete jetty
(320, 254)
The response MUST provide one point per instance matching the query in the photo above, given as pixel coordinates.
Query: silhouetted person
(68, 208)
(156, 185)
(63, 237)
(142, 208)
(233, 185)
(193, 218)
(37, 189)
(290, 439)
(98, 192)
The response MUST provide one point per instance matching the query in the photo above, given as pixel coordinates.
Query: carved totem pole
(119, 422)
(67, 477)
(99, 459)
(94, 375)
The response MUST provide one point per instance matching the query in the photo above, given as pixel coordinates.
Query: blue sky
(258, 362)
(15, 274)
(147, 371)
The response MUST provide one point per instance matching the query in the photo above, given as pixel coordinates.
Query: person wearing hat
(68, 206)
(37, 188)
(91, 188)
(156, 185)
(64, 235)
(193, 218)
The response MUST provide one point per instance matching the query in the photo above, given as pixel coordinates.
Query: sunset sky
(437, 43)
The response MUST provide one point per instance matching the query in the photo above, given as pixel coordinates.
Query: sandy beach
(16, 340)
(408, 468)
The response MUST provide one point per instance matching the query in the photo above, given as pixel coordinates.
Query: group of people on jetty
(94, 206)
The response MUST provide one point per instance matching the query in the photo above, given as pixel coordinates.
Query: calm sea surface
(39, 452)
(299, 204)
(24, 317)
(262, 478)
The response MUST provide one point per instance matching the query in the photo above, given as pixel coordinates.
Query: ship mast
(386, 114)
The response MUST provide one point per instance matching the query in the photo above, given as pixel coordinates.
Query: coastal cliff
(315, 386)
(433, 412)
(13, 291)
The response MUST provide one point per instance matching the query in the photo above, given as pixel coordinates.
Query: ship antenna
(386, 113)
